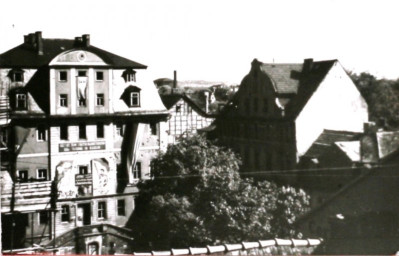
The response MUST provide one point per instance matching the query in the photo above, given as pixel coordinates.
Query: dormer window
(21, 103)
(16, 75)
(129, 75)
(131, 96)
(135, 99)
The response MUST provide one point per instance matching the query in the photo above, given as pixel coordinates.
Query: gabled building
(185, 117)
(82, 131)
(281, 109)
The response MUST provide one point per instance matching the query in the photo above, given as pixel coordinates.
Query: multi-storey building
(82, 131)
(281, 109)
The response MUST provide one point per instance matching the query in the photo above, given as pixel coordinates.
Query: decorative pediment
(77, 57)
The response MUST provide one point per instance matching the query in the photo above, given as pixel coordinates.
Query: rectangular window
(99, 76)
(178, 108)
(83, 170)
(121, 207)
(43, 217)
(42, 174)
(62, 76)
(137, 171)
(18, 77)
(100, 130)
(81, 73)
(63, 100)
(65, 215)
(64, 132)
(119, 130)
(82, 131)
(102, 210)
(100, 99)
(82, 102)
(41, 133)
(23, 175)
(153, 127)
(134, 99)
(21, 101)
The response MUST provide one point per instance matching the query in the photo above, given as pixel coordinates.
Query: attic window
(131, 96)
(16, 75)
(20, 101)
(134, 99)
(129, 75)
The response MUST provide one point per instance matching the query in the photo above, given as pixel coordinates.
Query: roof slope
(326, 140)
(23, 56)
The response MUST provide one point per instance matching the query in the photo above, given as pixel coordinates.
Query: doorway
(83, 214)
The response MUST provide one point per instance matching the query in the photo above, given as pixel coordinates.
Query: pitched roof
(388, 143)
(326, 140)
(24, 56)
(283, 76)
(351, 149)
(169, 100)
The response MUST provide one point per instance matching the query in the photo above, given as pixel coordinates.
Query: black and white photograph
(187, 127)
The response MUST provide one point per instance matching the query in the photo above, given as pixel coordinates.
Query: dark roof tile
(23, 56)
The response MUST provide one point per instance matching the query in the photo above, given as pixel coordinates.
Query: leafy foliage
(198, 198)
(381, 96)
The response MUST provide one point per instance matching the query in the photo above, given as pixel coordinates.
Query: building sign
(83, 179)
(81, 146)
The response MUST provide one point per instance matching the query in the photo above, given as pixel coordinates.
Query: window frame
(82, 103)
(101, 98)
(154, 128)
(60, 74)
(65, 100)
(24, 100)
(43, 214)
(64, 131)
(38, 175)
(41, 133)
(132, 97)
(121, 208)
(81, 71)
(119, 130)
(65, 215)
(19, 175)
(82, 130)
(100, 132)
(137, 174)
(102, 74)
(101, 209)
(82, 167)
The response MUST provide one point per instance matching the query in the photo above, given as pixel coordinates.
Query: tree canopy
(197, 198)
(381, 96)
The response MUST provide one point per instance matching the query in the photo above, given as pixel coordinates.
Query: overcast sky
(216, 40)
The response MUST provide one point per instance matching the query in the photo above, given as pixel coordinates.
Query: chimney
(307, 65)
(78, 41)
(174, 79)
(31, 39)
(369, 128)
(26, 39)
(206, 93)
(86, 40)
(39, 42)
(368, 144)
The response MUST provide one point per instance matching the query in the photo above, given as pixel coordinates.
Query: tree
(381, 96)
(198, 198)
